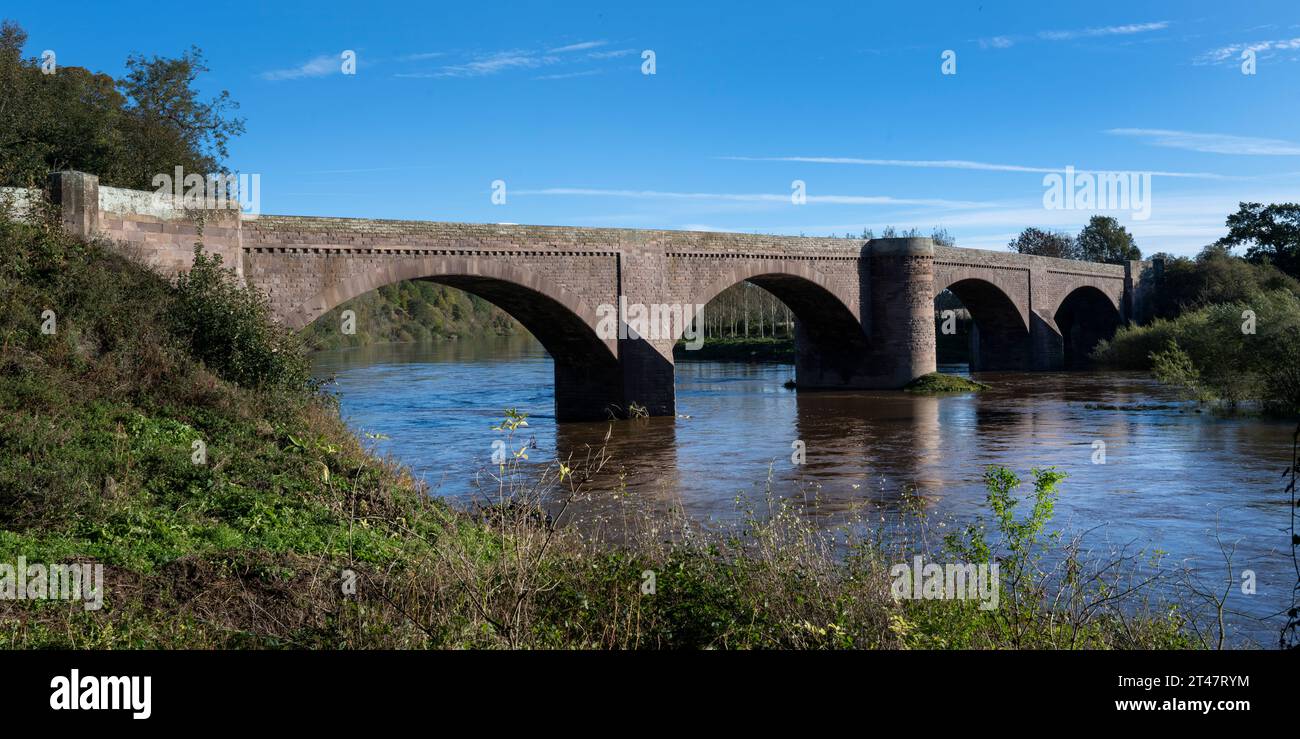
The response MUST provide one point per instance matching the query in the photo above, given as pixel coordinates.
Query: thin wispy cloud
(498, 62)
(1214, 143)
(751, 197)
(1124, 30)
(612, 54)
(1128, 29)
(582, 46)
(495, 63)
(568, 75)
(1232, 52)
(320, 66)
(957, 164)
(1179, 223)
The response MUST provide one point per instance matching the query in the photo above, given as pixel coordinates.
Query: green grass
(411, 311)
(937, 383)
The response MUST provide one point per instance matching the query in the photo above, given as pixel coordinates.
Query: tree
(1045, 244)
(1105, 240)
(126, 131)
(1271, 234)
(167, 124)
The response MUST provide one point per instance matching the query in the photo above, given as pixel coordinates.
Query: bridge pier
(1048, 348)
(648, 377)
(901, 321)
(587, 392)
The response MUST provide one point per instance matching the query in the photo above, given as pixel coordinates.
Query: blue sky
(746, 98)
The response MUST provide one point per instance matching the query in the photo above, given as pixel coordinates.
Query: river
(1168, 478)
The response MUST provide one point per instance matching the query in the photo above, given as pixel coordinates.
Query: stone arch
(1084, 317)
(784, 275)
(831, 344)
(588, 377)
(999, 337)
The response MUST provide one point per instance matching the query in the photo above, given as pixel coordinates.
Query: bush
(226, 325)
(1219, 352)
(1215, 277)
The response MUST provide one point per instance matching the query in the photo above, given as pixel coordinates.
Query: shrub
(226, 325)
(1219, 351)
(1215, 277)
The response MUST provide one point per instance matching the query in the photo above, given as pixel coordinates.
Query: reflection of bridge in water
(864, 310)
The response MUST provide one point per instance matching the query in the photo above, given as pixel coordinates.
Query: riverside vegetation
(1227, 332)
(171, 432)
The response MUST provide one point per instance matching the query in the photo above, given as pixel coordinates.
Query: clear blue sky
(550, 98)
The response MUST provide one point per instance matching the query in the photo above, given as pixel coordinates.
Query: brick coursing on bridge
(864, 309)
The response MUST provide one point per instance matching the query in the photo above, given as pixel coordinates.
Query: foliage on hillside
(1213, 277)
(410, 311)
(1226, 330)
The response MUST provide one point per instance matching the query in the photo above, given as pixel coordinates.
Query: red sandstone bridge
(864, 310)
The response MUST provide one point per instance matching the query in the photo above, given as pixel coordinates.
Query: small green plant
(1018, 547)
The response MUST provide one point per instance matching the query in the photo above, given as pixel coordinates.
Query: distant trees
(939, 234)
(1214, 277)
(747, 310)
(1102, 240)
(1045, 244)
(126, 131)
(1271, 234)
(1105, 240)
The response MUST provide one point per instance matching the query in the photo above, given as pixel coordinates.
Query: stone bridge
(864, 310)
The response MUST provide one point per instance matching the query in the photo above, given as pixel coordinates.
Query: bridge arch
(999, 335)
(831, 344)
(588, 377)
(1085, 316)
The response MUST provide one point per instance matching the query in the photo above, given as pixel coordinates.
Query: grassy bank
(169, 432)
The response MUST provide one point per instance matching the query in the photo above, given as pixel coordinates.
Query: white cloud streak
(751, 197)
(320, 66)
(1124, 30)
(582, 46)
(960, 164)
(1128, 29)
(1232, 52)
(1214, 143)
(495, 63)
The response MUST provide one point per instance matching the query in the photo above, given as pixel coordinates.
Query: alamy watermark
(220, 191)
(23, 581)
(656, 321)
(1071, 190)
(952, 581)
